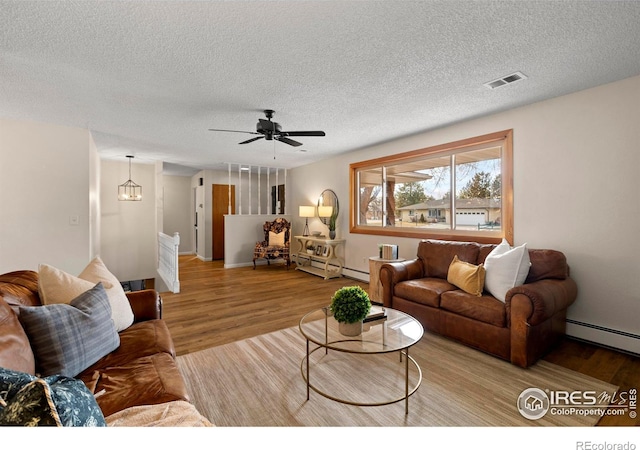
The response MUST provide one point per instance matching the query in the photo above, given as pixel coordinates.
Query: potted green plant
(310, 249)
(332, 226)
(350, 305)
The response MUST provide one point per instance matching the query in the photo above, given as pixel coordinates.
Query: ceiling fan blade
(288, 141)
(303, 133)
(233, 131)
(252, 139)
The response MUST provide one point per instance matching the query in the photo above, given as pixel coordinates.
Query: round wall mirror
(328, 208)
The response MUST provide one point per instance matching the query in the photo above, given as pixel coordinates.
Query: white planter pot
(350, 329)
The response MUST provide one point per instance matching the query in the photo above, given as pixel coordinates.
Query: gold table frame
(387, 344)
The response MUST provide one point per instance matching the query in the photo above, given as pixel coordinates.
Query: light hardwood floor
(217, 306)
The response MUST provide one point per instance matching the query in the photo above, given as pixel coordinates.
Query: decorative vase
(350, 329)
(332, 234)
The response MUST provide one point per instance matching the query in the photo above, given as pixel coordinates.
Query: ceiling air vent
(509, 79)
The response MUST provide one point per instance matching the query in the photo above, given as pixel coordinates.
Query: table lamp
(306, 212)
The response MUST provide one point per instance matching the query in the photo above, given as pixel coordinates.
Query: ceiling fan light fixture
(272, 131)
(129, 190)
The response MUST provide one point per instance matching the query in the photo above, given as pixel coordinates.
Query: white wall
(47, 180)
(576, 163)
(128, 229)
(50, 175)
(94, 199)
(178, 210)
(246, 231)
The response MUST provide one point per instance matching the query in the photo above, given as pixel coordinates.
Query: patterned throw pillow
(66, 339)
(26, 400)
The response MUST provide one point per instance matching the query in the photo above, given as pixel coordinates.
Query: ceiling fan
(272, 131)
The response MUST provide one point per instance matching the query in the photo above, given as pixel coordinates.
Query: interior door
(277, 200)
(220, 207)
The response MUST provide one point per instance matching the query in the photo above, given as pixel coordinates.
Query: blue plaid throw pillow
(66, 339)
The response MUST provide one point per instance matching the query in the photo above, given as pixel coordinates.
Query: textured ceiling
(150, 78)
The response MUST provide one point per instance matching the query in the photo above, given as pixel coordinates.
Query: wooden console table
(331, 260)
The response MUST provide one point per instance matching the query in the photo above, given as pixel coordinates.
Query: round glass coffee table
(394, 333)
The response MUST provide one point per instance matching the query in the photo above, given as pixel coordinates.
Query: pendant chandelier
(129, 191)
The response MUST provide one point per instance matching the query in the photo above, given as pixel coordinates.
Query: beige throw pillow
(466, 276)
(121, 311)
(276, 239)
(56, 286)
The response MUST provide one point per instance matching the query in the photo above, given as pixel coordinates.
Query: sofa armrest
(394, 272)
(541, 299)
(536, 315)
(146, 305)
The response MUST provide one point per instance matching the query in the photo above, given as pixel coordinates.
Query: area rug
(258, 382)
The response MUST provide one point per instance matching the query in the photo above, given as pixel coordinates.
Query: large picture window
(460, 191)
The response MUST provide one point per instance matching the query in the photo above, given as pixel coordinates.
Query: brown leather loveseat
(521, 329)
(141, 371)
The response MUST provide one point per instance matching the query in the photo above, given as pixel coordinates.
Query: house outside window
(410, 194)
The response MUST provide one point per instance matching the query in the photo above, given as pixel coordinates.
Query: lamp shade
(325, 211)
(307, 211)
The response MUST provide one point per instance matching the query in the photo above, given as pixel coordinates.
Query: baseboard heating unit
(609, 337)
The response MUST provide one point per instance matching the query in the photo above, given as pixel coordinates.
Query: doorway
(198, 219)
(220, 207)
(277, 199)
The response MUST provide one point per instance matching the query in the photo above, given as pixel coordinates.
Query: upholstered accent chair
(276, 242)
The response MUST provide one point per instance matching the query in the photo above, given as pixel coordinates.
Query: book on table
(376, 313)
(388, 252)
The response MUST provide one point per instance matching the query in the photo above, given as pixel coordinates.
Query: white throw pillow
(506, 267)
(276, 239)
(121, 311)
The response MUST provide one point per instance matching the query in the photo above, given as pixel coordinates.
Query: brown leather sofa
(520, 330)
(141, 371)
